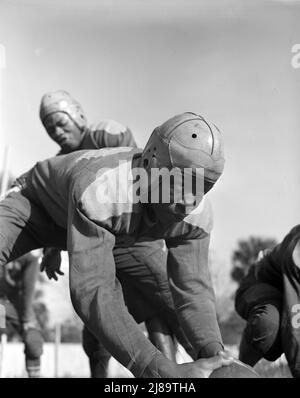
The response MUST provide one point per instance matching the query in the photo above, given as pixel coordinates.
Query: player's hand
(51, 263)
(202, 368)
(226, 355)
(207, 366)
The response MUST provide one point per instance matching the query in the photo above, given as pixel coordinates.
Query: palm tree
(246, 255)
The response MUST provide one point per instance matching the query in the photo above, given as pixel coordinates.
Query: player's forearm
(193, 295)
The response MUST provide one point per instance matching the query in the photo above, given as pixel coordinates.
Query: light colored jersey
(91, 176)
(107, 133)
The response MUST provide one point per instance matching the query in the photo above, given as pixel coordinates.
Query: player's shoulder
(109, 126)
(291, 244)
(296, 254)
(108, 157)
(294, 232)
(97, 168)
(290, 239)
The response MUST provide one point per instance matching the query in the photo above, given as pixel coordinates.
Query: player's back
(51, 180)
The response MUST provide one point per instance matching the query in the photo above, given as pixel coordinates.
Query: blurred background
(140, 62)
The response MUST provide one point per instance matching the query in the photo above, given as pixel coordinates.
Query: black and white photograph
(149, 203)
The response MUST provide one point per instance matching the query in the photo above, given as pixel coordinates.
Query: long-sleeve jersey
(278, 263)
(93, 177)
(107, 133)
(276, 278)
(99, 183)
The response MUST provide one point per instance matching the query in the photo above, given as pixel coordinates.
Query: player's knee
(263, 330)
(33, 341)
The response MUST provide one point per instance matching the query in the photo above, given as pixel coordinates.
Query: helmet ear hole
(146, 162)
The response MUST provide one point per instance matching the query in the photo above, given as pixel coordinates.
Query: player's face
(62, 129)
(183, 197)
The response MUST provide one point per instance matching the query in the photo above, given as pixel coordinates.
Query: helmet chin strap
(81, 128)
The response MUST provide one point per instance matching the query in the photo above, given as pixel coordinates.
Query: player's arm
(96, 293)
(193, 294)
(97, 296)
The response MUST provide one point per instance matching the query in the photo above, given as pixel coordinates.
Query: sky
(140, 62)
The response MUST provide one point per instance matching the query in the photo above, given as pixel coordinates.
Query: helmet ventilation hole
(194, 135)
